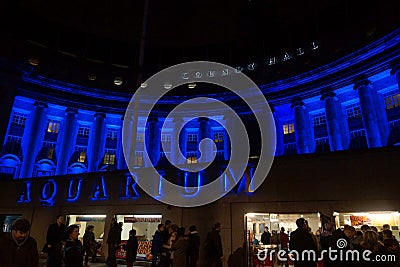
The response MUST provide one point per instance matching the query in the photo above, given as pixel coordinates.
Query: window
(138, 158)
(82, 157)
(319, 119)
(19, 118)
(353, 111)
(109, 159)
(322, 144)
(392, 101)
(166, 138)
(288, 128)
(140, 137)
(50, 153)
(218, 136)
(83, 131)
(53, 126)
(112, 133)
(192, 137)
(191, 157)
(14, 139)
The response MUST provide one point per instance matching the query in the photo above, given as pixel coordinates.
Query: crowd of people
(335, 247)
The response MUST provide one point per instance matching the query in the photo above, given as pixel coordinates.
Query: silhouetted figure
(131, 248)
(194, 246)
(55, 234)
(73, 252)
(214, 247)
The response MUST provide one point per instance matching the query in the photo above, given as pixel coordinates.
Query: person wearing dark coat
(179, 247)
(89, 244)
(131, 248)
(55, 234)
(113, 241)
(301, 240)
(266, 237)
(214, 247)
(18, 249)
(157, 244)
(73, 251)
(194, 246)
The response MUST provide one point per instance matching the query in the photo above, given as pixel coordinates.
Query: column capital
(360, 82)
(71, 110)
(328, 94)
(297, 103)
(100, 115)
(41, 104)
(203, 119)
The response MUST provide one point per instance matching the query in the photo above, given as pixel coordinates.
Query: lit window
(392, 101)
(50, 153)
(52, 126)
(82, 157)
(19, 118)
(84, 131)
(288, 128)
(112, 133)
(192, 138)
(191, 157)
(218, 136)
(138, 158)
(109, 159)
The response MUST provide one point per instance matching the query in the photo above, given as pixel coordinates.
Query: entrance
(145, 226)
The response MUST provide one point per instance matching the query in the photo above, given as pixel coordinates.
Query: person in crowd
(18, 249)
(301, 240)
(373, 228)
(89, 244)
(365, 228)
(180, 248)
(387, 234)
(393, 247)
(73, 251)
(371, 243)
(255, 240)
(214, 247)
(275, 237)
(266, 236)
(166, 233)
(131, 248)
(113, 241)
(54, 237)
(194, 246)
(386, 227)
(157, 244)
(284, 241)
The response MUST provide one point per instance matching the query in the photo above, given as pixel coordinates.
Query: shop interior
(98, 221)
(7, 221)
(375, 218)
(256, 222)
(145, 225)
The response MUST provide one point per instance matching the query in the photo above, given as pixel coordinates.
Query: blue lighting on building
(48, 192)
(74, 190)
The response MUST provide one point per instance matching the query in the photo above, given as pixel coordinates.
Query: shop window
(288, 128)
(218, 136)
(50, 153)
(53, 126)
(13, 145)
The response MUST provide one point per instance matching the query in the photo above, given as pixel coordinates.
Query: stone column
(396, 72)
(302, 128)
(205, 132)
(97, 140)
(121, 163)
(338, 132)
(66, 141)
(178, 146)
(374, 116)
(33, 138)
(280, 148)
(153, 140)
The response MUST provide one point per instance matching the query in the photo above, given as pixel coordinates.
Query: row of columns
(34, 135)
(374, 118)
